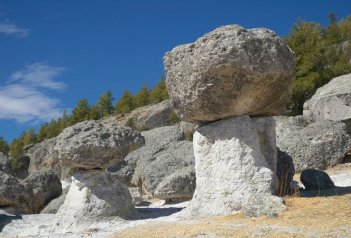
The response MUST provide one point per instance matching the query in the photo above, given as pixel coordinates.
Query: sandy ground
(164, 220)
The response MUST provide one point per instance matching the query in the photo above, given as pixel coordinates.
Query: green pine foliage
(125, 104)
(321, 54)
(141, 98)
(4, 147)
(159, 92)
(81, 111)
(105, 104)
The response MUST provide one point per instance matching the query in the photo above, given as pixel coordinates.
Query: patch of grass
(304, 217)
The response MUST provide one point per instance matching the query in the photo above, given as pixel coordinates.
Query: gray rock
(314, 179)
(144, 118)
(285, 173)
(152, 170)
(230, 71)
(312, 144)
(43, 156)
(5, 164)
(155, 140)
(331, 101)
(263, 205)
(13, 193)
(94, 195)
(56, 203)
(44, 186)
(20, 167)
(91, 144)
(178, 186)
(235, 159)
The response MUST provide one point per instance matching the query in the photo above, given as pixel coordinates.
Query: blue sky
(53, 53)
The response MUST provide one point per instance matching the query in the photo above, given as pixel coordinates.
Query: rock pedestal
(235, 159)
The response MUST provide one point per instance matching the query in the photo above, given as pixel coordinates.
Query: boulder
(5, 164)
(90, 145)
(43, 156)
(314, 179)
(152, 170)
(144, 118)
(56, 203)
(179, 186)
(285, 173)
(94, 195)
(331, 101)
(13, 193)
(44, 186)
(263, 205)
(155, 140)
(230, 71)
(311, 144)
(235, 159)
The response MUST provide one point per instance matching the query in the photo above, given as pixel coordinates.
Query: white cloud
(27, 96)
(11, 29)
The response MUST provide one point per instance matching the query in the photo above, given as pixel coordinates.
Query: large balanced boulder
(311, 144)
(44, 186)
(331, 101)
(90, 145)
(94, 195)
(230, 71)
(235, 159)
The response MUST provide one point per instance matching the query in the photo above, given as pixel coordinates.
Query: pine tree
(142, 97)
(29, 137)
(159, 92)
(16, 148)
(105, 104)
(125, 104)
(94, 113)
(81, 111)
(4, 147)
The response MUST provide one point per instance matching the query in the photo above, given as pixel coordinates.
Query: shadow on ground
(151, 213)
(6, 219)
(337, 191)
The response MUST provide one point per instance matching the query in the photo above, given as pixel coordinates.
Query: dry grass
(305, 217)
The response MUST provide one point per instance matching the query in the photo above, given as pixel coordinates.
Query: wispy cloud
(27, 95)
(11, 29)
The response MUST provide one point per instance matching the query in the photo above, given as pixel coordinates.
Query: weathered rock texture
(144, 118)
(235, 159)
(5, 164)
(331, 101)
(43, 156)
(165, 164)
(263, 205)
(230, 71)
(44, 186)
(312, 144)
(30, 195)
(94, 195)
(91, 145)
(56, 203)
(314, 179)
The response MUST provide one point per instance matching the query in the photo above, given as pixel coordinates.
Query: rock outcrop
(90, 145)
(43, 156)
(311, 144)
(94, 195)
(166, 160)
(331, 101)
(314, 179)
(44, 186)
(31, 194)
(235, 159)
(5, 164)
(144, 118)
(230, 71)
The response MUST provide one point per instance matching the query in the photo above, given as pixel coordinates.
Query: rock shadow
(337, 191)
(156, 212)
(6, 219)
